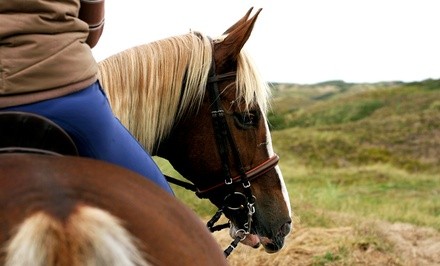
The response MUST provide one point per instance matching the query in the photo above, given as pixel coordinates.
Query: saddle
(31, 133)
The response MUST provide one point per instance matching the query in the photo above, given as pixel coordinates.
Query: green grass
(202, 207)
(376, 191)
(325, 259)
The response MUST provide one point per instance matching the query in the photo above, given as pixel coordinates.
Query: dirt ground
(371, 243)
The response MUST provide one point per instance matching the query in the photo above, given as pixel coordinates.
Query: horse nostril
(285, 229)
(271, 248)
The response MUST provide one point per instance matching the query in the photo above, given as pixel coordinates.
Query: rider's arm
(92, 12)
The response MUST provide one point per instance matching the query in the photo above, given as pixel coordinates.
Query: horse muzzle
(274, 244)
(271, 244)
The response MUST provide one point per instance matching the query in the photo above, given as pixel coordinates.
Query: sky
(297, 41)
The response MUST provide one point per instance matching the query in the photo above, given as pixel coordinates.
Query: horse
(201, 104)
(58, 209)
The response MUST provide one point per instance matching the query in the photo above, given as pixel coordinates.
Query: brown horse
(200, 103)
(61, 210)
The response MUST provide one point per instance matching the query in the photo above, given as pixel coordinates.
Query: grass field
(358, 160)
(371, 151)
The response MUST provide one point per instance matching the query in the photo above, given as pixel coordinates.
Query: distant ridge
(399, 121)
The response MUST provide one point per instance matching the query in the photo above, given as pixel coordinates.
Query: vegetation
(372, 151)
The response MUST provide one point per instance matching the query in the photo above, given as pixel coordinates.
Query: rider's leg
(87, 118)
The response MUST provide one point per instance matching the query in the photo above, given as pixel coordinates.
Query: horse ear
(238, 23)
(235, 40)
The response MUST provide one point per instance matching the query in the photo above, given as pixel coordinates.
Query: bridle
(226, 142)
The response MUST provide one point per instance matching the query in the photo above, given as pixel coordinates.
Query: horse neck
(145, 90)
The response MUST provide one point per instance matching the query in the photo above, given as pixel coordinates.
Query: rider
(47, 68)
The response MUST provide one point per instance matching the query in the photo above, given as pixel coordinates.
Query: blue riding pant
(87, 117)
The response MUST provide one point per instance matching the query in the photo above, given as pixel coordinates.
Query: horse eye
(247, 120)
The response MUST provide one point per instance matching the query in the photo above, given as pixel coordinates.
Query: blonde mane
(151, 86)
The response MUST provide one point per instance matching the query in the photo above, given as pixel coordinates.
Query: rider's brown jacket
(43, 50)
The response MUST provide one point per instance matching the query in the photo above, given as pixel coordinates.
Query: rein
(226, 142)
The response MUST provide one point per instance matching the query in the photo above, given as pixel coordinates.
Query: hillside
(374, 146)
(359, 124)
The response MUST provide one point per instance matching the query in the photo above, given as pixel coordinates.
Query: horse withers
(200, 103)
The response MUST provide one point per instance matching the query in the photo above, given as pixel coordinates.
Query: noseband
(226, 142)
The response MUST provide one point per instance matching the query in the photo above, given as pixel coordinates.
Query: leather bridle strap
(221, 77)
(221, 129)
(251, 174)
(223, 138)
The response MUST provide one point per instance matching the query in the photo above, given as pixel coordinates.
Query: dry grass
(366, 243)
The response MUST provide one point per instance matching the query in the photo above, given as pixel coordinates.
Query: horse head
(224, 147)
